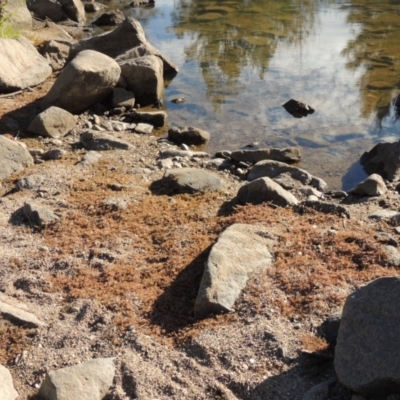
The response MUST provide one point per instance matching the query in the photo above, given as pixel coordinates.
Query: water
(241, 60)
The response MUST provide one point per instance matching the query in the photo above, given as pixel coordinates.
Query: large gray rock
(290, 154)
(372, 186)
(188, 135)
(240, 251)
(100, 141)
(383, 159)
(144, 77)
(126, 42)
(19, 316)
(21, 65)
(271, 169)
(90, 380)
(191, 180)
(266, 190)
(367, 359)
(16, 14)
(6, 384)
(88, 79)
(57, 10)
(14, 157)
(53, 122)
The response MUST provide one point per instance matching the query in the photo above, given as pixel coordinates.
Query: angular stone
(240, 251)
(8, 391)
(88, 79)
(56, 53)
(19, 317)
(372, 186)
(188, 135)
(290, 154)
(264, 190)
(38, 215)
(21, 65)
(90, 380)
(366, 356)
(123, 98)
(99, 141)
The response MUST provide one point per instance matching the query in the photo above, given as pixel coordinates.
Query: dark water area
(241, 60)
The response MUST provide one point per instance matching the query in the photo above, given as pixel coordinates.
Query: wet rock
(123, 98)
(240, 251)
(56, 53)
(53, 122)
(188, 135)
(290, 154)
(38, 215)
(329, 329)
(265, 190)
(19, 316)
(178, 100)
(110, 19)
(272, 169)
(192, 180)
(144, 77)
(8, 391)
(372, 186)
(90, 380)
(155, 118)
(101, 141)
(14, 157)
(365, 357)
(21, 65)
(297, 108)
(88, 79)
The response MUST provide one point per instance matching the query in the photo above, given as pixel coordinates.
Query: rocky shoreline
(139, 267)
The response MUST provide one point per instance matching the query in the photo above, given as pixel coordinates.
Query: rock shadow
(174, 309)
(18, 218)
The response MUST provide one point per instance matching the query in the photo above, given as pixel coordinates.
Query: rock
(240, 251)
(21, 65)
(171, 153)
(372, 186)
(123, 98)
(90, 158)
(54, 154)
(320, 391)
(384, 214)
(110, 19)
(297, 108)
(271, 169)
(99, 141)
(329, 329)
(90, 380)
(54, 122)
(93, 7)
(155, 118)
(56, 53)
(57, 10)
(385, 238)
(191, 180)
(126, 42)
(30, 182)
(15, 14)
(38, 215)
(115, 204)
(8, 391)
(327, 208)
(144, 128)
(188, 135)
(88, 79)
(14, 157)
(264, 190)
(393, 255)
(144, 77)
(365, 359)
(383, 159)
(19, 317)
(290, 154)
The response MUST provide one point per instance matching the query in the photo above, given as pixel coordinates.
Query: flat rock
(171, 153)
(8, 391)
(90, 380)
(191, 180)
(88, 79)
(100, 141)
(290, 154)
(327, 208)
(372, 186)
(39, 215)
(271, 169)
(14, 157)
(21, 65)
(188, 135)
(146, 129)
(19, 316)
(366, 357)
(155, 118)
(266, 190)
(240, 251)
(384, 214)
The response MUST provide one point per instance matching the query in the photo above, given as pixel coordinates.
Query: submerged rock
(297, 108)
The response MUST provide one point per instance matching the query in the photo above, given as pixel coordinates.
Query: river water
(240, 61)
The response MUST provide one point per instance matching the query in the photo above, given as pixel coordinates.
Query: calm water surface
(241, 60)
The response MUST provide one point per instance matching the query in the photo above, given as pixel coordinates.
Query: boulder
(240, 251)
(191, 180)
(54, 122)
(290, 154)
(16, 14)
(155, 118)
(123, 98)
(90, 380)
(271, 169)
(88, 79)
(14, 157)
(21, 65)
(366, 356)
(8, 391)
(383, 159)
(125, 42)
(188, 135)
(144, 77)
(57, 10)
(38, 215)
(100, 141)
(372, 186)
(19, 316)
(56, 53)
(110, 19)
(266, 190)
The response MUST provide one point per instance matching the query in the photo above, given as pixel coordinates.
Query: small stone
(38, 215)
(372, 186)
(146, 129)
